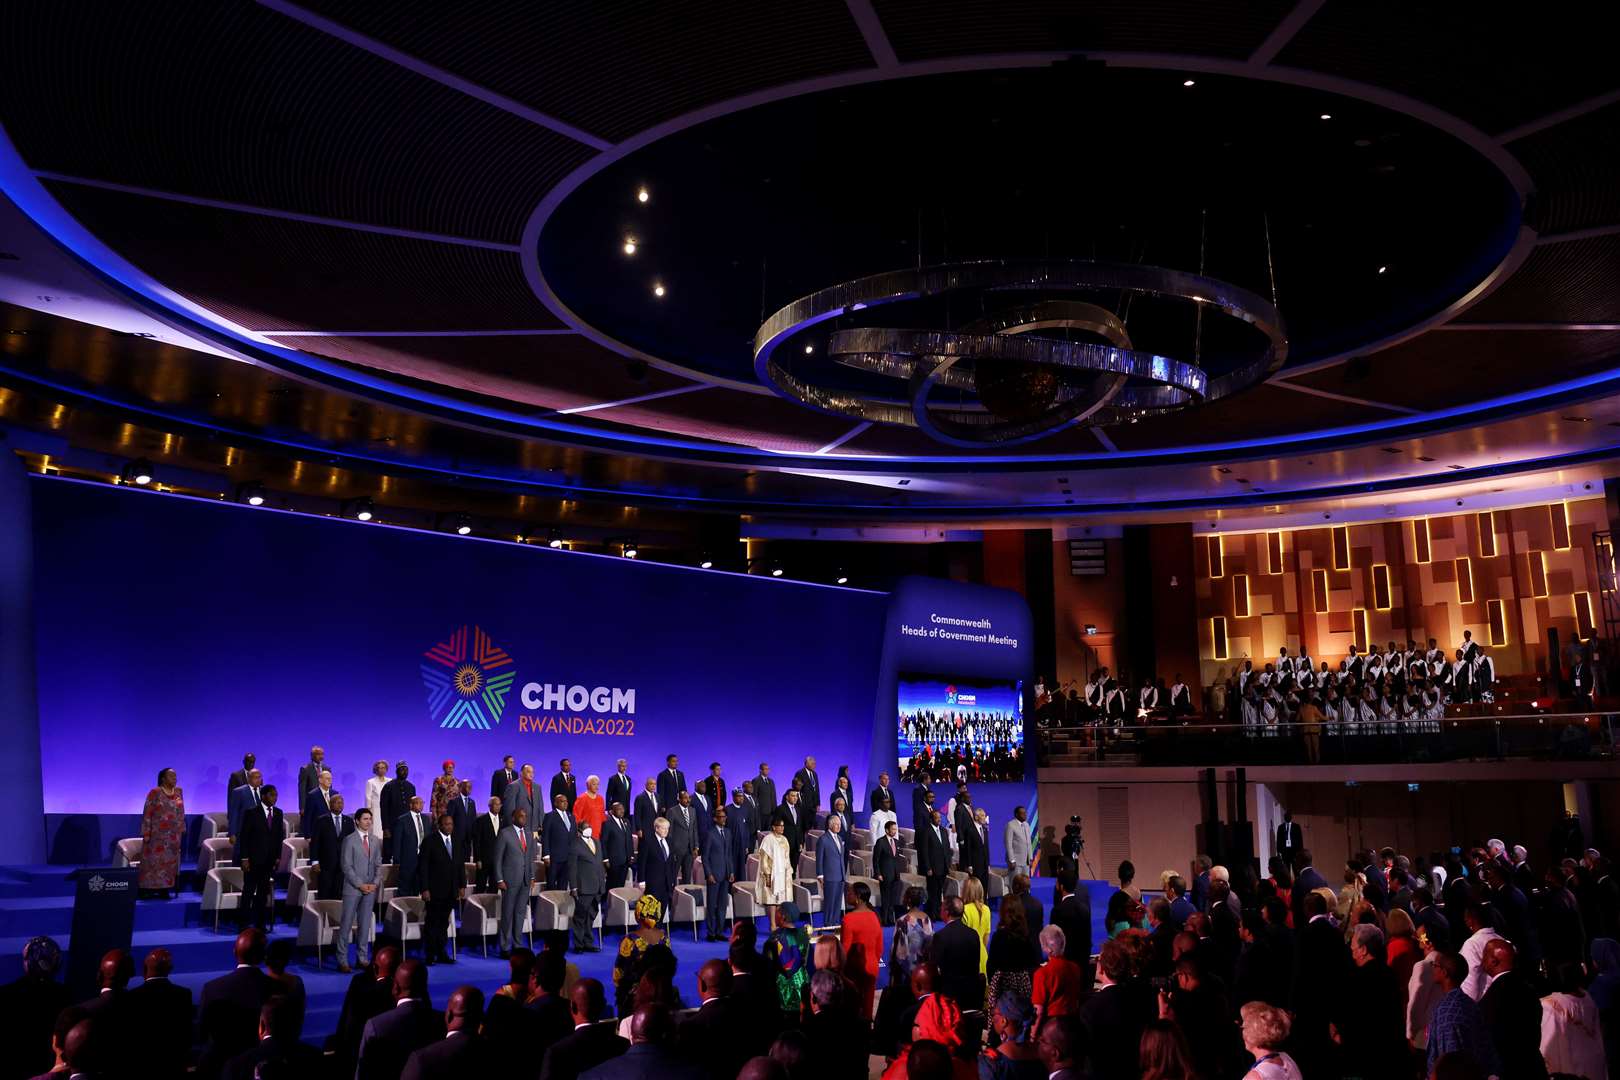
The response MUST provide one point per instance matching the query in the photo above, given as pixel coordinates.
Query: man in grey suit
(831, 860)
(1017, 840)
(526, 795)
(309, 776)
(589, 881)
(764, 795)
(362, 874)
(514, 872)
(683, 835)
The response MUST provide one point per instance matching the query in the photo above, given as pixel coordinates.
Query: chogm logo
(465, 680)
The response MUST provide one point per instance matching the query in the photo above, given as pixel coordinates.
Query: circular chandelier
(1014, 379)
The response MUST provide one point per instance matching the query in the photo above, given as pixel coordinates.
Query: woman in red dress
(862, 936)
(163, 830)
(589, 806)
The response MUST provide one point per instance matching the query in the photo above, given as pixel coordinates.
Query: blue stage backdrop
(182, 633)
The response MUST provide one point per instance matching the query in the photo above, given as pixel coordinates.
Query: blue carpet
(39, 900)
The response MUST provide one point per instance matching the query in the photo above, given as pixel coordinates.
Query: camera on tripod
(1074, 840)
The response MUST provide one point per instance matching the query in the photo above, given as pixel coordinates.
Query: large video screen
(963, 729)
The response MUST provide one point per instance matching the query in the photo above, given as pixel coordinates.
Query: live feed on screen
(960, 729)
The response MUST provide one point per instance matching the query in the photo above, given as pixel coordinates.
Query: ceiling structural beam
(1346, 398)
(1553, 119)
(1592, 326)
(552, 332)
(284, 215)
(632, 400)
(1578, 234)
(1107, 443)
(1284, 32)
(845, 437)
(871, 28)
(436, 74)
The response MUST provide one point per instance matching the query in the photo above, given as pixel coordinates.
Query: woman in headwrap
(163, 829)
(938, 1021)
(1015, 1057)
(445, 788)
(639, 953)
(787, 951)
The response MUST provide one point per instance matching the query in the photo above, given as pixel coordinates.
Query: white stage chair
(554, 910)
(481, 915)
(620, 909)
(688, 906)
(405, 916)
(294, 853)
(301, 887)
(215, 851)
(128, 851)
(222, 891)
(807, 894)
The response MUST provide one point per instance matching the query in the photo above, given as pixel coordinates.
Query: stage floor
(39, 900)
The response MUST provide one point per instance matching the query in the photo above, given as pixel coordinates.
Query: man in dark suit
(1115, 1014)
(315, 804)
(922, 801)
(395, 801)
(410, 832)
(1062, 1047)
(326, 848)
(954, 949)
(1071, 913)
(1034, 914)
(564, 782)
(557, 842)
(740, 820)
(966, 834)
(504, 777)
(546, 1018)
(764, 795)
(657, 867)
(486, 831)
(462, 1051)
(463, 811)
(810, 782)
(1307, 881)
(719, 872)
(616, 846)
(720, 1034)
(258, 849)
(229, 1007)
(1289, 839)
(279, 1021)
(683, 834)
(651, 1055)
(645, 811)
(619, 788)
(713, 787)
(444, 882)
(881, 792)
(309, 774)
(1512, 1013)
(1321, 970)
(247, 797)
(239, 778)
(391, 1037)
(792, 810)
(591, 1043)
(370, 993)
(588, 881)
(161, 1011)
(110, 1007)
(889, 864)
(934, 860)
(671, 782)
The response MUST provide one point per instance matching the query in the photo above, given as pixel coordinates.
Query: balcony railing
(1535, 736)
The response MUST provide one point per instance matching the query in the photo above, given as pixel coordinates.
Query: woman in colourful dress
(775, 882)
(640, 953)
(374, 786)
(163, 830)
(445, 790)
(787, 952)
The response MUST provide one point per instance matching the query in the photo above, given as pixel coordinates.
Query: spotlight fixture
(629, 245)
(1188, 82)
(843, 578)
(1326, 116)
(139, 472)
(642, 195)
(554, 540)
(359, 509)
(707, 562)
(658, 288)
(808, 349)
(777, 571)
(630, 550)
(252, 494)
(463, 525)
(1381, 269)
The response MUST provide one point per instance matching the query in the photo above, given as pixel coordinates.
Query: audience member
(651, 1055)
(1265, 1032)
(1115, 1014)
(391, 1037)
(955, 951)
(161, 1012)
(1456, 1025)
(462, 1051)
(278, 1045)
(1571, 1029)
(229, 1009)
(32, 1002)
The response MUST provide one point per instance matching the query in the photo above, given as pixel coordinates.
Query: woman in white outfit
(374, 786)
(775, 883)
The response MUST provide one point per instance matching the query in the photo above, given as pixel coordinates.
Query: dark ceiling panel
(1577, 281)
(1265, 412)
(929, 29)
(1575, 166)
(1495, 65)
(613, 69)
(198, 100)
(733, 416)
(290, 275)
(557, 371)
(1452, 367)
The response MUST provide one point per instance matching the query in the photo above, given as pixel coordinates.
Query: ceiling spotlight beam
(871, 28)
(1284, 32)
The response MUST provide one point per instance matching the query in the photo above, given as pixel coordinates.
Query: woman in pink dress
(163, 830)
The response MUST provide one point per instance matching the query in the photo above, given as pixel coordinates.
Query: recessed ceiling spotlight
(1325, 116)
(629, 245)
(642, 195)
(707, 562)
(252, 494)
(1187, 82)
(1579, 419)
(554, 540)
(843, 578)
(1381, 269)
(658, 288)
(777, 571)
(630, 550)
(808, 349)
(359, 509)
(139, 472)
(463, 525)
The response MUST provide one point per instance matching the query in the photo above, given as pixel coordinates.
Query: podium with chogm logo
(103, 919)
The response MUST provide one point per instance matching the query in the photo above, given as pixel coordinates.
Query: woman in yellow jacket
(977, 915)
